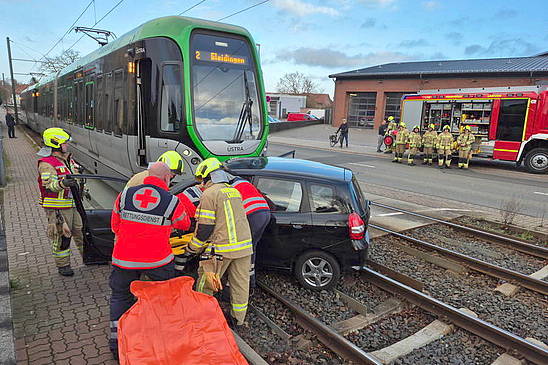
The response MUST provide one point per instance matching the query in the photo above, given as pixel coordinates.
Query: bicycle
(334, 139)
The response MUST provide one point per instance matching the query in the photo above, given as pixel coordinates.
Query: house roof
(537, 64)
(319, 100)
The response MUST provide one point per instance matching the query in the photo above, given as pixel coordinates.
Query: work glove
(213, 281)
(211, 277)
(69, 182)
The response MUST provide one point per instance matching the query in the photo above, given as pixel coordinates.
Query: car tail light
(356, 227)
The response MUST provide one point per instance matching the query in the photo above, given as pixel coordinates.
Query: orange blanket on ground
(173, 325)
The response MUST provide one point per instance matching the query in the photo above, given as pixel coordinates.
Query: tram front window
(224, 87)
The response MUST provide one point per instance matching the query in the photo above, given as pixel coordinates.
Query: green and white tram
(173, 83)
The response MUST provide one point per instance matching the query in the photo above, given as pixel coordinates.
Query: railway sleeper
(511, 289)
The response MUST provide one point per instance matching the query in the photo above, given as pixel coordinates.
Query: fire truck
(510, 123)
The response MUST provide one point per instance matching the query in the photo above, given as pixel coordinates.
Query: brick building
(366, 96)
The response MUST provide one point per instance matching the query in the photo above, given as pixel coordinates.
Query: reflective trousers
(238, 279)
(411, 156)
(464, 158)
(400, 150)
(258, 221)
(60, 244)
(428, 153)
(444, 155)
(121, 298)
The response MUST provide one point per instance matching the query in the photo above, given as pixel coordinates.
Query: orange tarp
(173, 325)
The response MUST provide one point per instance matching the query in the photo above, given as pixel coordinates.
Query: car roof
(288, 166)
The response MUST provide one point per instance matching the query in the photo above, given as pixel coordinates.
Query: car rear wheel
(536, 161)
(317, 270)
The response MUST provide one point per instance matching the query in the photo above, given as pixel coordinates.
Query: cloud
(369, 23)
(430, 5)
(328, 58)
(514, 47)
(413, 43)
(455, 37)
(301, 8)
(505, 13)
(438, 56)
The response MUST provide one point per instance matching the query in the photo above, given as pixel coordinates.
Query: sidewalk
(57, 320)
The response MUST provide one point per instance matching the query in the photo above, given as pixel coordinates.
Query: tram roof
(169, 26)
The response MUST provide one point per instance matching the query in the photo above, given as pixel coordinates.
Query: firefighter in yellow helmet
(401, 142)
(464, 141)
(415, 141)
(222, 230)
(171, 158)
(443, 145)
(64, 221)
(392, 126)
(429, 140)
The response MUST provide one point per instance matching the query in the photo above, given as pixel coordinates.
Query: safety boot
(65, 271)
(424, 162)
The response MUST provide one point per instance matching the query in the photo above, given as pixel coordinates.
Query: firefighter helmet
(467, 128)
(416, 127)
(173, 160)
(402, 124)
(390, 118)
(432, 126)
(55, 137)
(446, 127)
(207, 166)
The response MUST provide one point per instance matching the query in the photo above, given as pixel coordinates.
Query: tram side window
(89, 105)
(107, 100)
(70, 103)
(119, 110)
(511, 120)
(172, 100)
(81, 103)
(99, 109)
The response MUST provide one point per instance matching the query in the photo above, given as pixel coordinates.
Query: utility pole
(3, 80)
(12, 82)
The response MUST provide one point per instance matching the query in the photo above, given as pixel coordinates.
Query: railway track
(510, 242)
(349, 351)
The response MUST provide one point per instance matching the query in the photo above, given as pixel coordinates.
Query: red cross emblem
(146, 199)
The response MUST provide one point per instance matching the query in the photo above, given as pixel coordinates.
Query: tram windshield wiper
(245, 116)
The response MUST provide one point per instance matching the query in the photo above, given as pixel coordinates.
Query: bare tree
(55, 64)
(296, 83)
(509, 209)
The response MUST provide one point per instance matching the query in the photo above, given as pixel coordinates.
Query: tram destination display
(220, 57)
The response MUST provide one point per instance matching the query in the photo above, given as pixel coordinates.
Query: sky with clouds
(317, 38)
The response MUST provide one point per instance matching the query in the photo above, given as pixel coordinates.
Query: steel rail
(329, 337)
(479, 327)
(515, 244)
(528, 282)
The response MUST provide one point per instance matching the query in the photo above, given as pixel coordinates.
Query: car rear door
(95, 207)
(290, 228)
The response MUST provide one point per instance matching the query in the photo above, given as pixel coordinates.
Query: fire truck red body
(509, 123)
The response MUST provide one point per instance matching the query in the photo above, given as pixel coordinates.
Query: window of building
(392, 105)
(285, 194)
(361, 109)
(511, 119)
(325, 200)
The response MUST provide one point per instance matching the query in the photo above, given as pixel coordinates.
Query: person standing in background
(343, 128)
(10, 122)
(382, 131)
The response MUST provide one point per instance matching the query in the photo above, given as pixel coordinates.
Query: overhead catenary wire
(192, 7)
(241, 11)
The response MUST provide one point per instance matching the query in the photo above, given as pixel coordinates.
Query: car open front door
(95, 207)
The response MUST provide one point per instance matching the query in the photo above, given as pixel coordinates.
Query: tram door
(510, 128)
(144, 69)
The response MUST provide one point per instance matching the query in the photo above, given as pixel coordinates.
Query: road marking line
(538, 192)
(361, 164)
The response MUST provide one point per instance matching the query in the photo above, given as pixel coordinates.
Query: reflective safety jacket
(51, 171)
(402, 136)
(414, 140)
(392, 126)
(221, 206)
(190, 197)
(429, 139)
(445, 141)
(252, 199)
(465, 140)
(142, 219)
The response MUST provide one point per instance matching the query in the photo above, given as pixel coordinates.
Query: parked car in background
(271, 119)
(319, 219)
(299, 117)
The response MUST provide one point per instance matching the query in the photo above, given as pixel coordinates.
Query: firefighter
(170, 158)
(392, 126)
(415, 141)
(142, 219)
(429, 140)
(64, 221)
(443, 145)
(258, 215)
(222, 231)
(401, 141)
(464, 141)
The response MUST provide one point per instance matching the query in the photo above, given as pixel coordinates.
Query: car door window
(324, 199)
(286, 195)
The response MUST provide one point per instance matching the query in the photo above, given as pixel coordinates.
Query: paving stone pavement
(56, 320)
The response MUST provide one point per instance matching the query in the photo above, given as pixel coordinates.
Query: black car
(318, 227)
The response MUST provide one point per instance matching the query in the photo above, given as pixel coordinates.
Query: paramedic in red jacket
(142, 220)
(258, 215)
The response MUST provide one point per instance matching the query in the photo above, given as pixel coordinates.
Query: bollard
(2, 168)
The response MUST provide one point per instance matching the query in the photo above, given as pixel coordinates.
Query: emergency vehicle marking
(146, 196)
(145, 218)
